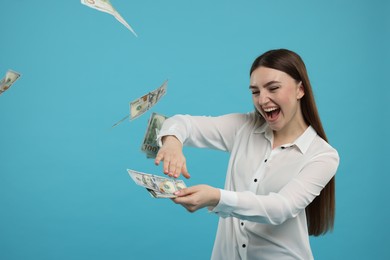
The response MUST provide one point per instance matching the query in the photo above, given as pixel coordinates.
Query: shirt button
(255, 180)
(242, 223)
(243, 245)
(265, 160)
(283, 147)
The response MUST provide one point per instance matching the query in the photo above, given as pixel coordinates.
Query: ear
(300, 90)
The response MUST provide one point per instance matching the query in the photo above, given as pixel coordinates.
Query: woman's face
(276, 96)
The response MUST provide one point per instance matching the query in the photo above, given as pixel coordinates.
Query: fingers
(158, 158)
(166, 164)
(197, 197)
(185, 199)
(184, 192)
(185, 172)
(173, 165)
(162, 156)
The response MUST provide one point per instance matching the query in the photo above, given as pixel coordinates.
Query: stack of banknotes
(157, 186)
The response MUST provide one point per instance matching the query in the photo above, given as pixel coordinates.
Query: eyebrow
(266, 84)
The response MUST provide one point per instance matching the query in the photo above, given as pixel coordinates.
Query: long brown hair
(320, 212)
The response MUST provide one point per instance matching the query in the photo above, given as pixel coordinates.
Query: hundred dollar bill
(9, 79)
(106, 6)
(149, 144)
(157, 186)
(144, 103)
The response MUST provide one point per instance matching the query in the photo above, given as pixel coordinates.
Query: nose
(262, 98)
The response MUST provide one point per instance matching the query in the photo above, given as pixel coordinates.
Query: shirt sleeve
(277, 207)
(204, 131)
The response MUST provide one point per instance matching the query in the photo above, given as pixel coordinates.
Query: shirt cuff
(170, 131)
(227, 203)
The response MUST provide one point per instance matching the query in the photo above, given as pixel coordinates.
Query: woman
(280, 183)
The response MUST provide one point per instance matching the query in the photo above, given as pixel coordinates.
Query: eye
(273, 88)
(255, 92)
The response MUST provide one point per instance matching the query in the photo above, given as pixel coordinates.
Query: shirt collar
(266, 130)
(261, 128)
(302, 142)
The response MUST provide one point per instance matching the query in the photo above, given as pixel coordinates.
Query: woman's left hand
(197, 197)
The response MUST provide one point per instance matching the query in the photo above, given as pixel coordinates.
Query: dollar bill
(157, 186)
(144, 103)
(9, 79)
(106, 6)
(149, 145)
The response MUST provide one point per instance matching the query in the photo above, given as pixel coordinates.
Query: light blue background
(64, 189)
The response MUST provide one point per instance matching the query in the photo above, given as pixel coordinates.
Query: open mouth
(271, 113)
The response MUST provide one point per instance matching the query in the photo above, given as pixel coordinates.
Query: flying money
(157, 186)
(106, 6)
(149, 144)
(9, 79)
(144, 103)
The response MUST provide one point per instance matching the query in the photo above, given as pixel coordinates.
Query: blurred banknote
(157, 186)
(144, 103)
(106, 6)
(9, 79)
(149, 145)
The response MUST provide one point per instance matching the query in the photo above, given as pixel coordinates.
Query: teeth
(270, 109)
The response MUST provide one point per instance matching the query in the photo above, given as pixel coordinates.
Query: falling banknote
(157, 186)
(149, 145)
(9, 79)
(144, 103)
(106, 6)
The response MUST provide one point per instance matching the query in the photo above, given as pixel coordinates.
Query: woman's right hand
(171, 153)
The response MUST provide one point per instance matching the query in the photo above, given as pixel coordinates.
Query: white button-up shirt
(262, 207)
